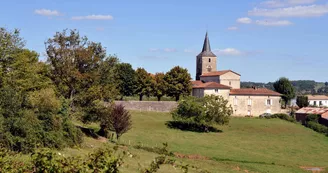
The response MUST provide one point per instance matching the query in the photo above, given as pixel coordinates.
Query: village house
(301, 114)
(318, 100)
(226, 83)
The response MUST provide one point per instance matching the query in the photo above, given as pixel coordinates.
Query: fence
(162, 106)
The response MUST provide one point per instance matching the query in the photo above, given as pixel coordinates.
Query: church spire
(207, 47)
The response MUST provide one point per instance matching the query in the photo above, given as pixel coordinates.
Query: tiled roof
(317, 97)
(254, 91)
(209, 85)
(218, 73)
(196, 82)
(309, 110)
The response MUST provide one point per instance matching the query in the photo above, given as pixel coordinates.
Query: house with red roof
(226, 83)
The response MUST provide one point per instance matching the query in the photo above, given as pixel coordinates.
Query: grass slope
(246, 145)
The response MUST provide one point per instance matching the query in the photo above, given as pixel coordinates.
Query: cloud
(100, 28)
(162, 50)
(244, 20)
(297, 11)
(273, 22)
(188, 51)
(233, 28)
(46, 12)
(170, 50)
(93, 17)
(284, 3)
(228, 52)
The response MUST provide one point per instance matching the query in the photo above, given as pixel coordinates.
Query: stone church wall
(164, 106)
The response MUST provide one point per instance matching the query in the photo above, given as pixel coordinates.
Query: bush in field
(284, 117)
(116, 118)
(302, 101)
(206, 111)
(312, 118)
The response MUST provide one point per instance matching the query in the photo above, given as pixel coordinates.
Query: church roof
(215, 85)
(254, 91)
(206, 52)
(218, 73)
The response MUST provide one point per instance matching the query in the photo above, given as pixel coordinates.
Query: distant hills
(301, 86)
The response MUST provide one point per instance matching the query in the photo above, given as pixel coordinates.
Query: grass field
(245, 145)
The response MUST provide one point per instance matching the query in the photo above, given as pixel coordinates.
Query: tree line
(38, 100)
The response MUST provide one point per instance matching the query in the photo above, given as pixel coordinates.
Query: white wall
(324, 103)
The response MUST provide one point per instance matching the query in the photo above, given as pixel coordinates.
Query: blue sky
(260, 39)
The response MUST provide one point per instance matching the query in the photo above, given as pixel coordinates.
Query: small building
(226, 83)
(301, 114)
(318, 100)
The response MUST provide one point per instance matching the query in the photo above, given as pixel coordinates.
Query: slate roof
(206, 52)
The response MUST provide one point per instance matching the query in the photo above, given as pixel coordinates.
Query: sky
(260, 39)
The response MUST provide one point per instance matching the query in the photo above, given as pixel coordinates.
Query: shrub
(312, 118)
(207, 111)
(280, 116)
(317, 127)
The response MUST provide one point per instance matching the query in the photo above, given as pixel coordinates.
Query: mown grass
(245, 145)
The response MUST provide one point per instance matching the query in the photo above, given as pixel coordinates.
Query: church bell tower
(206, 60)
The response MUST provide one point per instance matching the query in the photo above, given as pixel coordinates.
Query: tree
(178, 82)
(302, 101)
(284, 87)
(206, 111)
(125, 77)
(143, 83)
(74, 62)
(119, 120)
(159, 86)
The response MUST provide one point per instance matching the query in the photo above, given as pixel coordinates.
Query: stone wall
(163, 106)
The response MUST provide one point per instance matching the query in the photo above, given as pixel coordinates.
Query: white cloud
(233, 28)
(170, 50)
(46, 12)
(273, 22)
(284, 3)
(188, 51)
(228, 52)
(244, 20)
(93, 17)
(297, 11)
(154, 50)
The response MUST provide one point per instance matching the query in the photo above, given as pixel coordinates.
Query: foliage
(144, 83)
(313, 118)
(191, 126)
(317, 127)
(284, 86)
(202, 112)
(125, 77)
(159, 150)
(116, 118)
(280, 116)
(302, 101)
(178, 82)
(159, 86)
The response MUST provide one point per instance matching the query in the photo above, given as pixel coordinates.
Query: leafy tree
(117, 119)
(302, 101)
(326, 84)
(159, 86)
(125, 77)
(284, 87)
(144, 83)
(209, 110)
(109, 87)
(178, 82)
(74, 62)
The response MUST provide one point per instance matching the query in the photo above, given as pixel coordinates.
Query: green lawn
(255, 145)
(245, 145)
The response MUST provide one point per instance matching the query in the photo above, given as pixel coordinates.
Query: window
(209, 60)
(230, 83)
(320, 103)
(249, 102)
(249, 112)
(268, 102)
(235, 101)
(315, 103)
(216, 90)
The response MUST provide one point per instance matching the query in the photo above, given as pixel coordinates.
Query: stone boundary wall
(155, 106)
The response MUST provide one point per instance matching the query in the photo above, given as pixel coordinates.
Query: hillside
(245, 145)
(301, 86)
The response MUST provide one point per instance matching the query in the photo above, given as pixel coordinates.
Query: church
(226, 83)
